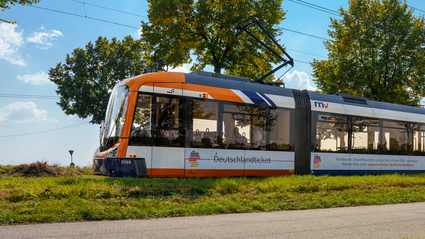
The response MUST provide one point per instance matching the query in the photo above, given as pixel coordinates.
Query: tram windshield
(115, 115)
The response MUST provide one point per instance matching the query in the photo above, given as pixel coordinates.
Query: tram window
(365, 121)
(236, 131)
(258, 138)
(395, 138)
(365, 135)
(169, 128)
(332, 118)
(204, 124)
(115, 116)
(416, 126)
(279, 121)
(141, 129)
(244, 109)
(417, 139)
(244, 131)
(394, 124)
(364, 139)
(331, 137)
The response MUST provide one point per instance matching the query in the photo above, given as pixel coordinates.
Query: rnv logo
(321, 104)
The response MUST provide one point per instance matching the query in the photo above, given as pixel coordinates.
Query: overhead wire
(301, 2)
(47, 97)
(416, 8)
(305, 34)
(304, 3)
(317, 7)
(116, 23)
(40, 132)
(111, 9)
(289, 49)
(302, 62)
(77, 15)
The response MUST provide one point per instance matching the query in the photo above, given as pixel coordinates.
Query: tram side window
(417, 139)
(244, 130)
(141, 129)
(279, 121)
(365, 135)
(169, 128)
(394, 137)
(236, 131)
(331, 134)
(204, 124)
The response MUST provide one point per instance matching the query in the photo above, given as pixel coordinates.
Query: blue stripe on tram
(268, 99)
(255, 98)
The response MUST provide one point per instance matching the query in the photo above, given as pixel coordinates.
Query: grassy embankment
(75, 195)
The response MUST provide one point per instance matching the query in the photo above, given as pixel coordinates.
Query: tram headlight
(113, 153)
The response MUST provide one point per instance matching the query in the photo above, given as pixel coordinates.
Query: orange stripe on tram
(161, 172)
(167, 172)
(215, 92)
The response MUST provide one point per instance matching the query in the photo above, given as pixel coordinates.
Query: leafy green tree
(208, 30)
(4, 5)
(87, 76)
(376, 51)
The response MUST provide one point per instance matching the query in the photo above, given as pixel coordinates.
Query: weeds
(41, 169)
(87, 197)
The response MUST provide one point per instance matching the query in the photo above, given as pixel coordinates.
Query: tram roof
(244, 84)
(364, 102)
(237, 84)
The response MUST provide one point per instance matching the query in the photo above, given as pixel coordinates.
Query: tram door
(140, 140)
(168, 130)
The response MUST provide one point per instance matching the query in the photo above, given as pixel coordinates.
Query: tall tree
(376, 51)
(208, 30)
(87, 76)
(5, 4)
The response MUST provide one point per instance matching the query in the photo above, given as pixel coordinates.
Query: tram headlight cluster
(113, 153)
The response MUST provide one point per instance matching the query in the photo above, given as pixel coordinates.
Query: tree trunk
(217, 69)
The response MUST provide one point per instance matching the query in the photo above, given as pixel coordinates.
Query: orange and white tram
(209, 125)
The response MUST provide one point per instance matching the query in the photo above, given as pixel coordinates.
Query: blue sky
(36, 129)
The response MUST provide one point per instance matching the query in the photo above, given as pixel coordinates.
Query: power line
(305, 52)
(40, 132)
(302, 33)
(116, 23)
(299, 2)
(416, 8)
(115, 10)
(324, 8)
(77, 15)
(302, 62)
(333, 12)
(47, 97)
(317, 7)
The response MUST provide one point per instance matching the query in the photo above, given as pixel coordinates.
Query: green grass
(88, 197)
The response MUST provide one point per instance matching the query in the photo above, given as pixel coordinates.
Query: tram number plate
(126, 161)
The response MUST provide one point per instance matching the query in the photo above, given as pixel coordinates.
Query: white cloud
(39, 78)
(23, 112)
(44, 38)
(137, 34)
(74, 119)
(298, 80)
(185, 69)
(10, 41)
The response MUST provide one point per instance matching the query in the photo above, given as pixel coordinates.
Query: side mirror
(101, 129)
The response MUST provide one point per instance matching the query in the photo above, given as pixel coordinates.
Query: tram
(202, 124)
